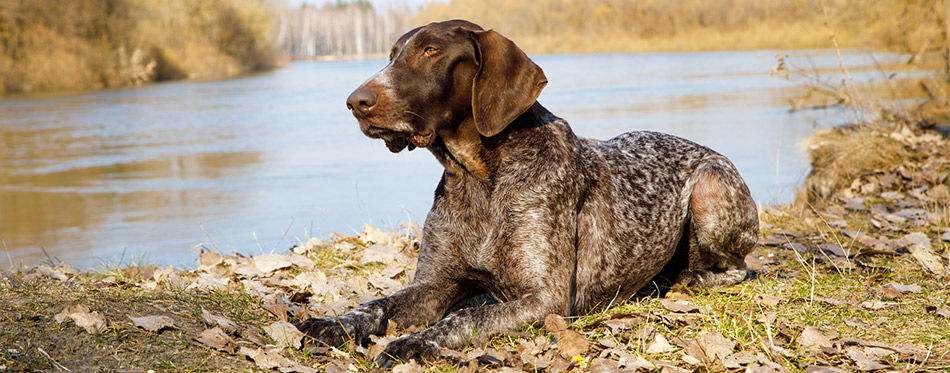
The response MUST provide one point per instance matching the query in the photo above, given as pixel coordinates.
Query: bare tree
(344, 29)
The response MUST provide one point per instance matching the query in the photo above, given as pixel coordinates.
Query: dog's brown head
(441, 75)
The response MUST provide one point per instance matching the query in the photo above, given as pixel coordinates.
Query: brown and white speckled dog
(526, 211)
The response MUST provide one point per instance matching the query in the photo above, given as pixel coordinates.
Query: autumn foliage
(566, 26)
(86, 44)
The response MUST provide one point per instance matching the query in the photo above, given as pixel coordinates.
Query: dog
(526, 211)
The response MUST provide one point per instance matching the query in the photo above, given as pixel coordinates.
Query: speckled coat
(526, 211)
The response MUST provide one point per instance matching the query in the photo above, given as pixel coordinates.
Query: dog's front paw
(325, 331)
(409, 347)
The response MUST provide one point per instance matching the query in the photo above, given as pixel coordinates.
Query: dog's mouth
(396, 141)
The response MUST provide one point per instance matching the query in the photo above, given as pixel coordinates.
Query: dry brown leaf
(738, 360)
(831, 301)
(876, 304)
(617, 325)
(309, 278)
(92, 322)
(823, 369)
(225, 324)
(218, 339)
(279, 310)
(410, 367)
(769, 300)
(603, 366)
(379, 253)
(208, 259)
(379, 345)
(890, 292)
(554, 323)
(268, 263)
(208, 281)
(715, 345)
(920, 246)
(570, 343)
(153, 323)
(677, 305)
(814, 339)
(857, 323)
(913, 288)
(285, 334)
(863, 361)
(269, 360)
(660, 345)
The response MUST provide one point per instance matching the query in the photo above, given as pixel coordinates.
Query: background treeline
(574, 26)
(85, 44)
(341, 29)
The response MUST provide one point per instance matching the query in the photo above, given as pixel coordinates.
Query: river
(253, 164)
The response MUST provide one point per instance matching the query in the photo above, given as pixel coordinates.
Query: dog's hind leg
(723, 225)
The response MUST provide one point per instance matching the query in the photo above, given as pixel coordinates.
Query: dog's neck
(463, 150)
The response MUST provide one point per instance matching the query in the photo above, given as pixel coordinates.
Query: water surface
(154, 171)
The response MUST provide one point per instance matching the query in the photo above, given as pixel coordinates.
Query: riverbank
(853, 277)
(82, 45)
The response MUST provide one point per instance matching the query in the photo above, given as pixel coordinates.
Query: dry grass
(840, 155)
(687, 25)
(48, 45)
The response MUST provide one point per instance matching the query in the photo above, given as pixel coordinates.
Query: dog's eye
(430, 51)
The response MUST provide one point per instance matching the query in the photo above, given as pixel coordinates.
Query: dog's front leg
(417, 304)
(530, 269)
(461, 327)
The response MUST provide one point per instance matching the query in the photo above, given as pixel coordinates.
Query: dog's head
(441, 75)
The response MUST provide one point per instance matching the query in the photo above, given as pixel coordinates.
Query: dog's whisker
(417, 115)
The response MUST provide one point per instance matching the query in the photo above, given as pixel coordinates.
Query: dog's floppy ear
(506, 85)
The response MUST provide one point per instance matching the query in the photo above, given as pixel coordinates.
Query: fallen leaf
(617, 325)
(285, 334)
(570, 343)
(271, 262)
(738, 360)
(279, 310)
(715, 345)
(410, 367)
(892, 196)
(218, 339)
(833, 249)
(153, 323)
(208, 281)
(680, 306)
(603, 366)
(554, 323)
(379, 345)
(92, 322)
(379, 253)
(890, 292)
(928, 259)
(225, 324)
(831, 301)
(901, 288)
(769, 300)
(814, 339)
(857, 323)
(660, 345)
(876, 304)
(208, 259)
(863, 361)
(269, 360)
(823, 369)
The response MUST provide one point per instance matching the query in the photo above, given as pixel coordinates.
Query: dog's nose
(361, 100)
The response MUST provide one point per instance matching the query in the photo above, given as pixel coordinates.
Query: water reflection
(158, 169)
